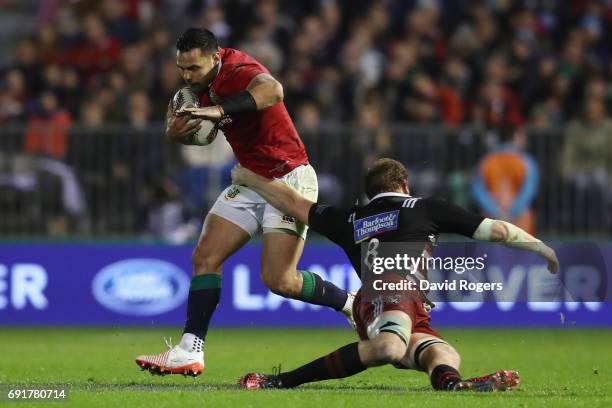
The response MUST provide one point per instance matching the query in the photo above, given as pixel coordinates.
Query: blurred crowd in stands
(491, 64)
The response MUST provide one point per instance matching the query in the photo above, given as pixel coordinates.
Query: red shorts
(365, 312)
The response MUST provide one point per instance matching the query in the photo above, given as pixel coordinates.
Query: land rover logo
(141, 287)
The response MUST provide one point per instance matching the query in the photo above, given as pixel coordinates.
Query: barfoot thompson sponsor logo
(365, 228)
(141, 287)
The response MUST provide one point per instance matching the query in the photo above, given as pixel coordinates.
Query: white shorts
(248, 210)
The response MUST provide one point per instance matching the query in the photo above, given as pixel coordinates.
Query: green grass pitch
(559, 368)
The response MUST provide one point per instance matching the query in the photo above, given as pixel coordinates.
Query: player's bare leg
(281, 251)
(387, 347)
(280, 254)
(441, 361)
(220, 238)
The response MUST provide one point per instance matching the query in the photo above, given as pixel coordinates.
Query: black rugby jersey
(391, 217)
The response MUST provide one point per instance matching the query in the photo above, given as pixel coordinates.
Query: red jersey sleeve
(265, 141)
(240, 76)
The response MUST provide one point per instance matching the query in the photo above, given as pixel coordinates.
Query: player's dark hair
(384, 176)
(197, 38)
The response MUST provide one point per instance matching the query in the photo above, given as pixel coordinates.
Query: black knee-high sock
(444, 377)
(204, 295)
(319, 292)
(343, 362)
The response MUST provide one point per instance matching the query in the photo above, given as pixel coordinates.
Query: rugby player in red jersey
(243, 98)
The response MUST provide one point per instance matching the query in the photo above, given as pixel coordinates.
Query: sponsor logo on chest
(365, 228)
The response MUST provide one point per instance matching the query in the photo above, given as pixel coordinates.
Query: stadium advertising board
(148, 284)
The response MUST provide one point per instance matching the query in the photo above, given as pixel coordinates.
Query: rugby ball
(186, 98)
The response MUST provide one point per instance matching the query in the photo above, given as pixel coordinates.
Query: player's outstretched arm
(510, 235)
(277, 194)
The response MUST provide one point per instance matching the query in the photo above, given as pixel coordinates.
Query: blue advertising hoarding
(137, 284)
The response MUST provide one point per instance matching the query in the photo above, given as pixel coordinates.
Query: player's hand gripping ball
(185, 98)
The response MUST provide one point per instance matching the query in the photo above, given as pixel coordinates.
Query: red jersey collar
(221, 55)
